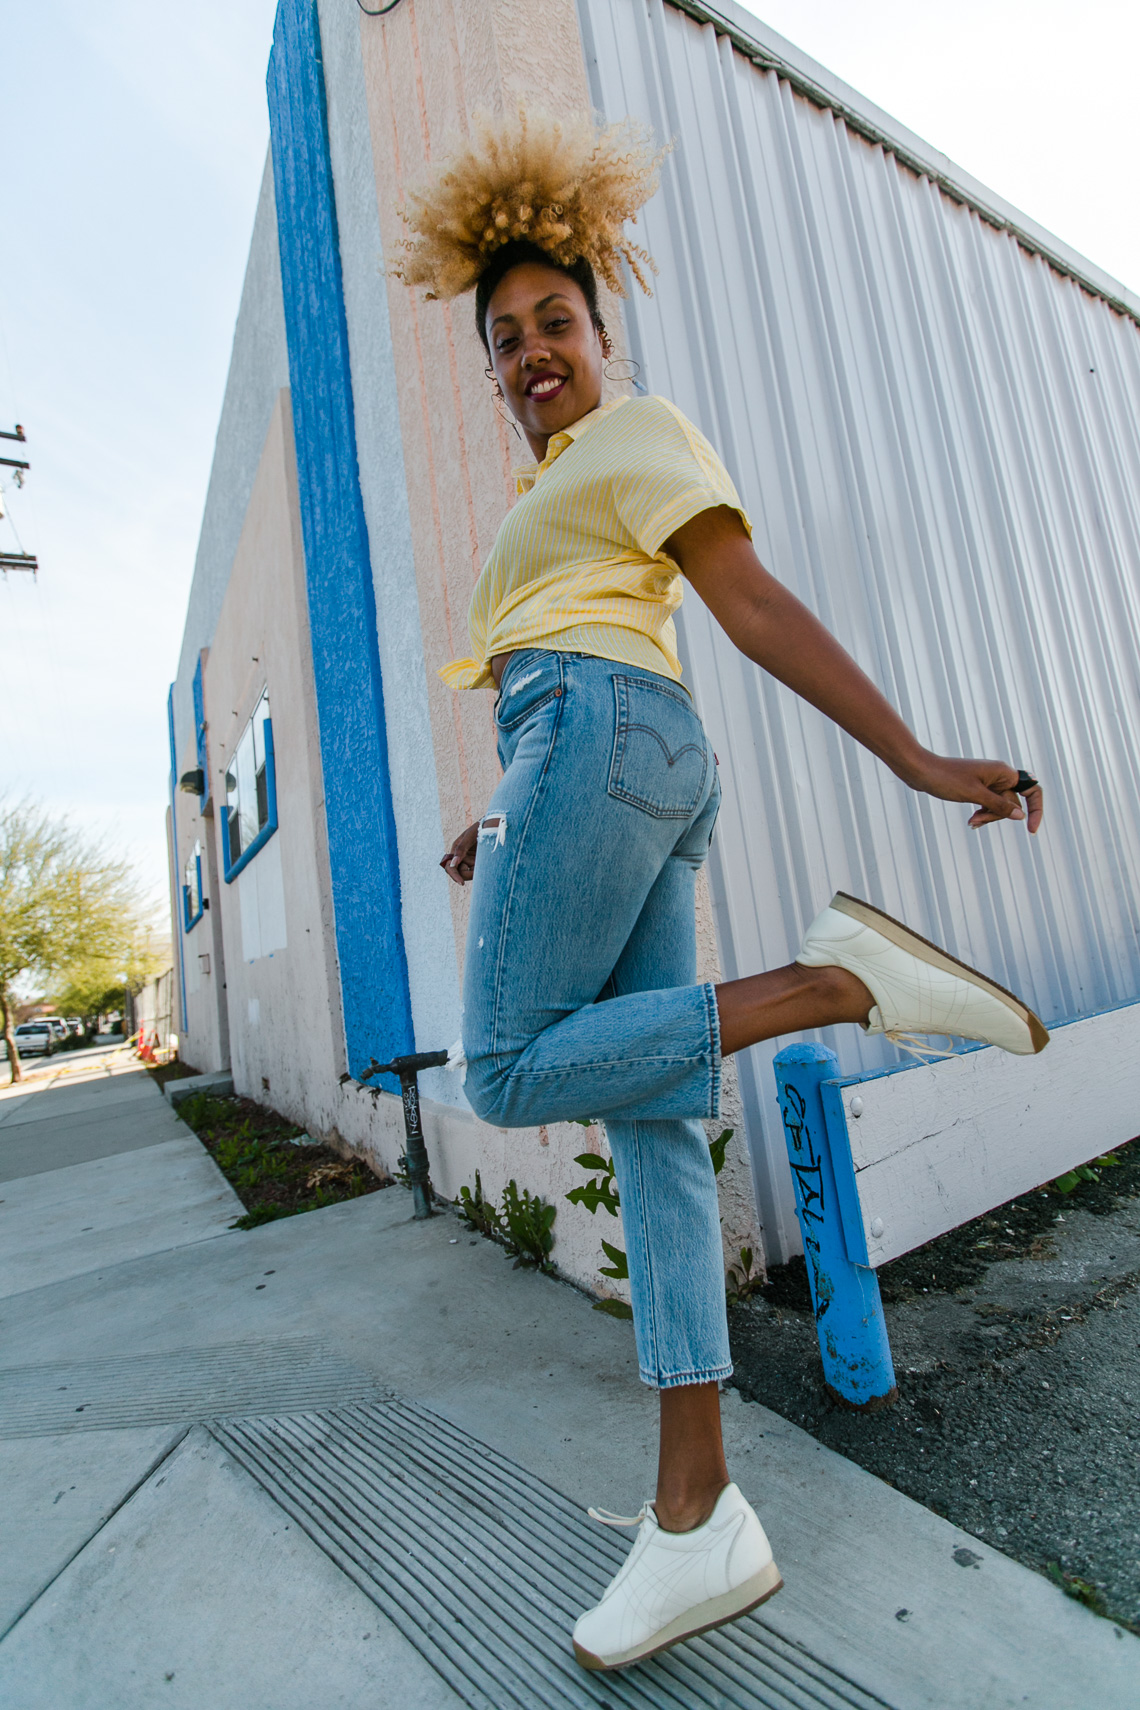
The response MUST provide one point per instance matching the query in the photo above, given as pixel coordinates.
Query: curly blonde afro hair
(564, 186)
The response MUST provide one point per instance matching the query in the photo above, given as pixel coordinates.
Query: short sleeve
(671, 474)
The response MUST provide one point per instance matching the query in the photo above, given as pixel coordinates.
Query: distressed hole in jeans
(493, 829)
(515, 688)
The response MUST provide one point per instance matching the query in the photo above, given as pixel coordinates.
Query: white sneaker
(675, 1584)
(917, 988)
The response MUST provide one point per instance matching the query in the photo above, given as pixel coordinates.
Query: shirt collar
(528, 473)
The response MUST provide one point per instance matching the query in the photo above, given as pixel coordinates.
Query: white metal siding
(936, 435)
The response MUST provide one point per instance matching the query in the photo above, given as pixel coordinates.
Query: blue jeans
(580, 989)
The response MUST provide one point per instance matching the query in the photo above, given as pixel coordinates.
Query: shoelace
(916, 1046)
(609, 1519)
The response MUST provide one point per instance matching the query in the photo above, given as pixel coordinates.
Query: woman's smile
(545, 386)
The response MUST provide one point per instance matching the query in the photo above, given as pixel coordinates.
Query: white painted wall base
(935, 1145)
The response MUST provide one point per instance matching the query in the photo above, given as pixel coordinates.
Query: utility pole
(16, 560)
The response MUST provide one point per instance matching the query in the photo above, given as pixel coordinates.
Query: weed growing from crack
(479, 1212)
(743, 1281)
(528, 1222)
(523, 1224)
(1083, 1590)
(1072, 1179)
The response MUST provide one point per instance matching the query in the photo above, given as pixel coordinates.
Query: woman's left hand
(989, 784)
(459, 861)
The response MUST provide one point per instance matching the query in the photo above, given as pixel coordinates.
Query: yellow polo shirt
(577, 565)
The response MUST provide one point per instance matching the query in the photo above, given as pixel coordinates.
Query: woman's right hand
(459, 862)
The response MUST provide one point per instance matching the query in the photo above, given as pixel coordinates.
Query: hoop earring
(619, 361)
(500, 402)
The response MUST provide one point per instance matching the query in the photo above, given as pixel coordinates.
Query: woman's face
(545, 350)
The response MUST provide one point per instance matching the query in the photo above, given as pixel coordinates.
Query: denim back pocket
(661, 754)
(530, 680)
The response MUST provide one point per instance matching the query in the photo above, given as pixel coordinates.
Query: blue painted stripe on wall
(342, 610)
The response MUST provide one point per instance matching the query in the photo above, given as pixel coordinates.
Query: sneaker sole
(701, 1619)
(906, 939)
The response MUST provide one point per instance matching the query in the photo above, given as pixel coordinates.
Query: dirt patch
(273, 1166)
(1016, 1342)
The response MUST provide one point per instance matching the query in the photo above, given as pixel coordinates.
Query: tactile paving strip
(294, 1374)
(484, 1568)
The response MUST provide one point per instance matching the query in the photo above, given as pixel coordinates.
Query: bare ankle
(844, 994)
(684, 1513)
(788, 1000)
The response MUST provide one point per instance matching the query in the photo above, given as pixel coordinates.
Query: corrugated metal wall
(936, 435)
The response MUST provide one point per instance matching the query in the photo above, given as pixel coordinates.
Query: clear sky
(134, 135)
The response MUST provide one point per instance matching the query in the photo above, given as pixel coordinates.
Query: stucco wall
(286, 1034)
(259, 367)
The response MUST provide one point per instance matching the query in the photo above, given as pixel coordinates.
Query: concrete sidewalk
(294, 1467)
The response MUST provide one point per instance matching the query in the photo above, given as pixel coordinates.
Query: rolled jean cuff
(644, 1055)
(714, 1048)
(682, 1380)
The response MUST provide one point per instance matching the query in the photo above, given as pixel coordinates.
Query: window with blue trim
(193, 902)
(249, 816)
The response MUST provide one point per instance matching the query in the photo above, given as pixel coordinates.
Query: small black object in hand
(1024, 782)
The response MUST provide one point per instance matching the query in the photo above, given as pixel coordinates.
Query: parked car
(75, 1024)
(58, 1026)
(35, 1038)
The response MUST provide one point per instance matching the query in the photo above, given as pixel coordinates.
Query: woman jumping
(581, 996)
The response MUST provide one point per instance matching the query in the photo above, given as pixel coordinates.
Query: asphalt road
(1019, 1378)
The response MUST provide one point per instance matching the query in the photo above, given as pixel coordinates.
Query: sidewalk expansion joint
(159, 1460)
(484, 1568)
(188, 1386)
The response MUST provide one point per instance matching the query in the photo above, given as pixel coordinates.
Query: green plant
(719, 1147)
(602, 1193)
(1081, 1589)
(202, 1111)
(259, 1214)
(618, 1266)
(743, 1281)
(478, 1212)
(527, 1221)
(1072, 1179)
(614, 1308)
(523, 1224)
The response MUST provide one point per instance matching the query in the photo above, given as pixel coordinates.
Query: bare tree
(67, 909)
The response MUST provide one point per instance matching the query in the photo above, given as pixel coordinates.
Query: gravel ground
(1016, 1343)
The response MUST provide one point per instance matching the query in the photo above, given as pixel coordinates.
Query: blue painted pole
(857, 1364)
